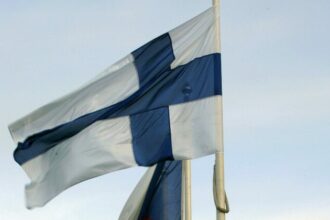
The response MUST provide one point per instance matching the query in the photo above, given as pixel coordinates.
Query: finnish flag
(157, 195)
(161, 102)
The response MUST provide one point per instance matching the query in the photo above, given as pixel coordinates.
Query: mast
(219, 186)
(186, 190)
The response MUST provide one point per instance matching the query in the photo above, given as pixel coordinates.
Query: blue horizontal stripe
(195, 80)
(198, 79)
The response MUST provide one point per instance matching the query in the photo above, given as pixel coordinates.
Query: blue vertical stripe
(154, 59)
(151, 135)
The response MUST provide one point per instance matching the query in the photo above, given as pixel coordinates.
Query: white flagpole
(186, 190)
(219, 157)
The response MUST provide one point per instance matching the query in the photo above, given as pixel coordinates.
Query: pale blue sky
(276, 79)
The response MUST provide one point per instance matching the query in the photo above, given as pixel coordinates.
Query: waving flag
(161, 102)
(158, 194)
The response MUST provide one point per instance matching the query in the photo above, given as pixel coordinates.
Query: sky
(276, 91)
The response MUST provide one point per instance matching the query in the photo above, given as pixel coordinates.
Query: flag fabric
(161, 102)
(158, 194)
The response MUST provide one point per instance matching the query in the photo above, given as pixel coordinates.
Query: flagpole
(186, 190)
(219, 157)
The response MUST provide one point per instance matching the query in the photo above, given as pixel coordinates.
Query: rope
(216, 199)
